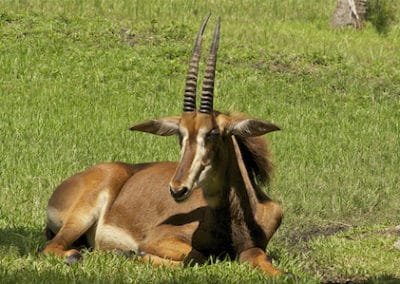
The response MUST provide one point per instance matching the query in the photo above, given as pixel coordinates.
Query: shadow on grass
(23, 240)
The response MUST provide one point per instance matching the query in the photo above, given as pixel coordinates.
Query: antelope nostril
(177, 194)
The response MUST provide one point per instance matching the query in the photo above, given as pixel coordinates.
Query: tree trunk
(349, 13)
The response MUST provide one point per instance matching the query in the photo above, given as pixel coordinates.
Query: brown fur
(137, 204)
(214, 206)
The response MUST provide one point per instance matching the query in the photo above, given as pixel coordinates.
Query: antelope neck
(229, 177)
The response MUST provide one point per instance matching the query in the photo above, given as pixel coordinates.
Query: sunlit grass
(75, 75)
(353, 255)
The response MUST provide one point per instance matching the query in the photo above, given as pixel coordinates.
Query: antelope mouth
(182, 192)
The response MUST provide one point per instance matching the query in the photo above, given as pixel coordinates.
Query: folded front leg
(256, 257)
(170, 252)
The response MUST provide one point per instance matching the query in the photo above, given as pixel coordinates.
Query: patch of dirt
(296, 238)
(392, 231)
(132, 38)
(128, 36)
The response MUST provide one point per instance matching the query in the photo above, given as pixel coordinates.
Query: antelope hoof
(141, 253)
(73, 257)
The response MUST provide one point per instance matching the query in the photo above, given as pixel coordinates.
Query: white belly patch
(110, 237)
(54, 219)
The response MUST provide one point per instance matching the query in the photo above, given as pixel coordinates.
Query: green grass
(74, 75)
(352, 254)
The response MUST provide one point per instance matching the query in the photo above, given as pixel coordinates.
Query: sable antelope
(217, 207)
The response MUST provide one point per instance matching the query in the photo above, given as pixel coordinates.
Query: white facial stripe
(183, 132)
(185, 137)
(204, 173)
(197, 160)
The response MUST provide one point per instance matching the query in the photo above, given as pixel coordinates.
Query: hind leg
(79, 203)
(166, 245)
(74, 227)
(257, 258)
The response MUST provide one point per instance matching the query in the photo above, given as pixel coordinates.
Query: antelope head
(203, 133)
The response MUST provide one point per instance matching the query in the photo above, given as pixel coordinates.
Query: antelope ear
(252, 127)
(164, 126)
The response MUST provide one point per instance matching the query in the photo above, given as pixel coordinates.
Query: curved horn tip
(196, 48)
(203, 26)
(215, 42)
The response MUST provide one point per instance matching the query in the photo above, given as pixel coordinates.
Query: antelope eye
(214, 133)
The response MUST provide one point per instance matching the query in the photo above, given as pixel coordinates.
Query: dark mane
(256, 159)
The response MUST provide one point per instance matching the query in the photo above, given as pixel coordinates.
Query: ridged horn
(189, 101)
(207, 93)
